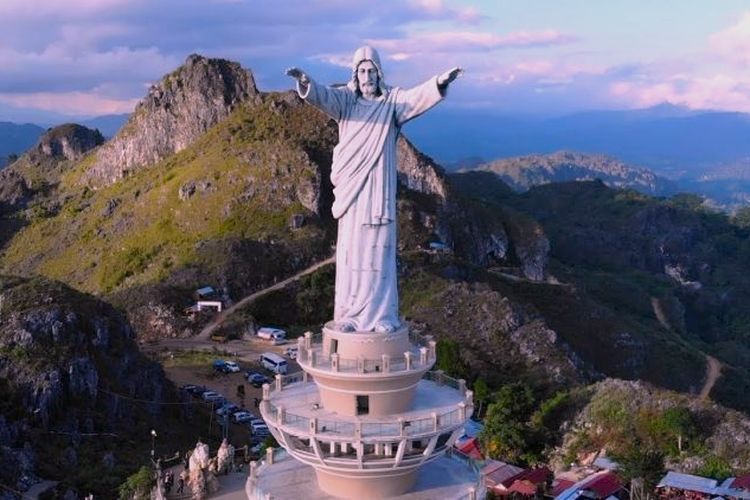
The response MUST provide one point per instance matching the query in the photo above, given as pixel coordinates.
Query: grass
(247, 171)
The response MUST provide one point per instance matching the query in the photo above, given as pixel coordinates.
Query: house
(600, 485)
(205, 293)
(470, 448)
(495, 473)
(526, 483)
(735, 487)
(679, 485)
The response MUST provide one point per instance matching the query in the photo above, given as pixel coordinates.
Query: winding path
(205, 334)
(713, 371)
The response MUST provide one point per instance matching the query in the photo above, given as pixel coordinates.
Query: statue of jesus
(369, 115)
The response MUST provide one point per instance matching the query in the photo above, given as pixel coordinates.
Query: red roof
(471, 449)
(742, 482)
(523, 487)
(603, 485)
(561, 485)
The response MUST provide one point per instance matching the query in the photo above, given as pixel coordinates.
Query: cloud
(716, 92)
(70, 103)
(733, 43)
(468, 41)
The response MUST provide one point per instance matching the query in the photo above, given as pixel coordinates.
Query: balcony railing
(355, 430)
(311, 354)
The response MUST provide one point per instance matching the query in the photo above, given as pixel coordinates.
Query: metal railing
(428, 425)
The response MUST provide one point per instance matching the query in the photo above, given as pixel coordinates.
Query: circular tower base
(361, 486)
(445, 478)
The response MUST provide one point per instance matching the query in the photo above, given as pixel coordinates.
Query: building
(367, 418)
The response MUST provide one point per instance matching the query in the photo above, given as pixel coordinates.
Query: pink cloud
(460, 41)
(70, 103)
(69, 9)
(733, 43)
(719, 92)
(436, 8)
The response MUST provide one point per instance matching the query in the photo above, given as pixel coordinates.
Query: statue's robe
(364, 179)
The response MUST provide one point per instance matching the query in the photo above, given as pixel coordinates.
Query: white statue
(369, 115)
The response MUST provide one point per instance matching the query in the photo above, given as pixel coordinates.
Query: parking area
(192, 365)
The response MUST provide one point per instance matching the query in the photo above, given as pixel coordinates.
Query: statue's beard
(368, 89)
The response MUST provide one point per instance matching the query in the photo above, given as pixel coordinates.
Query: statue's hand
(450, 75)
(298, 75)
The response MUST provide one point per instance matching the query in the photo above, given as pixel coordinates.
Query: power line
(162, 403)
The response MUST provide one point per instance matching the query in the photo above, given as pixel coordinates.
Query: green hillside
(242, 181)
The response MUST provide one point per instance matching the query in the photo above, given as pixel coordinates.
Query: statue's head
(367, 72)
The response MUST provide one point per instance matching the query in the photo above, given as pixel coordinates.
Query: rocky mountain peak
(174, 113)
(70, 141)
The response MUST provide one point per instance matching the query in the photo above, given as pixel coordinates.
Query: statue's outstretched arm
(446, 78)
(300, 76)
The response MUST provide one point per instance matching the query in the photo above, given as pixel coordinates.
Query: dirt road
(219, 319)
(713, 371)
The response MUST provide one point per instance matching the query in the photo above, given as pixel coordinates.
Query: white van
(274, 363)
(274, 334)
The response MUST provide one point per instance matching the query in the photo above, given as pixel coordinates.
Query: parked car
(272, 334)
(231, 367)
(242, 416)
(220, 365)
(211, 396)
(256, 379)
(291, 352)
(259, 429)
(227, 408)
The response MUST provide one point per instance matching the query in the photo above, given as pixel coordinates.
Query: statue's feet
(385, 327)
(346, 326)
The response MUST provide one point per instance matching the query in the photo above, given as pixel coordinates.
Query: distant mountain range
(15, 139)
(673, 142)
(524, 172)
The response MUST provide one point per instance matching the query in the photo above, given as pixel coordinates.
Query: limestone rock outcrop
(176, 111)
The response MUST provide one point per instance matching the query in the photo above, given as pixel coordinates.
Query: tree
(505, 431)
(449, 358)
(481, 394)
(643, 463)
(678, 423)
(138, 486)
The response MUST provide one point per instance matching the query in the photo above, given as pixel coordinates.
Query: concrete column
(433, 349)
(278, 382)
(360, 364)
(378, 449)
(344, 447)
(269, 455)
(308, 340)
(435, 422)
(469, 397)
(253, 471)
(388, 449)
(335, 362)
(386, 364)
(462, 386)
(407, 356)
(313, 426)
(332, 447)
(462, 411)
(280, 415)
(313, 358)
(422, 356)
(266, 392)
(402, 427)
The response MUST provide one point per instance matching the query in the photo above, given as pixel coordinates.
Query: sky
(85, 58)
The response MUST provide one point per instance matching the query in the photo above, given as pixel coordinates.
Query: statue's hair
(361, 55)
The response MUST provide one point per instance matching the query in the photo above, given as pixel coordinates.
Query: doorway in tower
(363, 405)
(334, 346)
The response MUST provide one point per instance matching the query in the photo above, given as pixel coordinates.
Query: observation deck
(367, 411)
